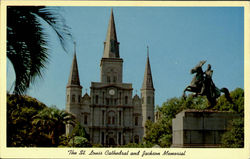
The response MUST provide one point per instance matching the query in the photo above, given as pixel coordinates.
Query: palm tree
(27, 42)
(51, 123)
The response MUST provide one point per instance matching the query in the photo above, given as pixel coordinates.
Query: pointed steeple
(74, 75)
(111, 45)
(148, 80)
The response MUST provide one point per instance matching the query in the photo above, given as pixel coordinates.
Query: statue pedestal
(200, 128)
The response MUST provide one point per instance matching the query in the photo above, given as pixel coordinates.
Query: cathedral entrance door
(111, 142)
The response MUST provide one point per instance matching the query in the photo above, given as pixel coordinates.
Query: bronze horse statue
(202, 84)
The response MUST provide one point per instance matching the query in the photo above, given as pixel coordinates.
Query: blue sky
(178, 38)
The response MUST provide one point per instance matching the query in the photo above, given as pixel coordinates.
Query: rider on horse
(202, 84)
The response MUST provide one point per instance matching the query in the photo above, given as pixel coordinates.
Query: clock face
(112, 92)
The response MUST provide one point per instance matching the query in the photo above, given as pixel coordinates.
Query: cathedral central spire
(111, 45)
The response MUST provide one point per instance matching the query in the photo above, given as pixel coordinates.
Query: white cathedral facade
(111, 114)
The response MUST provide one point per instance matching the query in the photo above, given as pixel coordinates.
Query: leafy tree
(165, 140)
(175, 105)
(235, 137)
(79, 131)
(79, 137)
(27, 41)
(20, 110)
(159, 132)
(238, 102)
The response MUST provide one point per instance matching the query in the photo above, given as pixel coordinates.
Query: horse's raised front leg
(184, 92)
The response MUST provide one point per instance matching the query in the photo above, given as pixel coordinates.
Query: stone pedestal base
(200, 128)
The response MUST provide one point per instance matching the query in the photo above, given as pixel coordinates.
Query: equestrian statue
(202, 84)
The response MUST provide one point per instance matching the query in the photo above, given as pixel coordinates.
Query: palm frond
(27, 43)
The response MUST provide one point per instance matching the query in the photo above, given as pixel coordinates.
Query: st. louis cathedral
(111, 114)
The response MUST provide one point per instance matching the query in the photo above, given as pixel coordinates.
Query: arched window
(120, 117)
(79, 99)
(113, 120)
(85, 119)
(126, 99)
(111, 117)
(107, 101)
(148, 100)
(96, 99)
(114, 79)
(103, 111)
(109, 120)
(136, 121)
(119, 138)
(108, 79)
(73, 98)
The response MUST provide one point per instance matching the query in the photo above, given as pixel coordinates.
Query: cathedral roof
(148, 80)
(111, 45)
(74, 75)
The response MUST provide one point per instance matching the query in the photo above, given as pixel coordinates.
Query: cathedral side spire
(111, 45)
(73, 91)
(74, 75)
(147, 95)
(148, 80)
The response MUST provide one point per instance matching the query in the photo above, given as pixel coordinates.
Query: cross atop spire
(148, 80)
(74, 47)
(147, 51)
(111, 45)
(74, 75)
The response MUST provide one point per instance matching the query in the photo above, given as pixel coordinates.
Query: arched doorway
(136, 139)
(111, 142)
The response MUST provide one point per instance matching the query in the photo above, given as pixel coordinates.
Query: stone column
(118, 117)
(122, 113)
(117, 137)
(105, 117)
(105, 136)
(121, 138)
(91, 116)
(131, 117)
